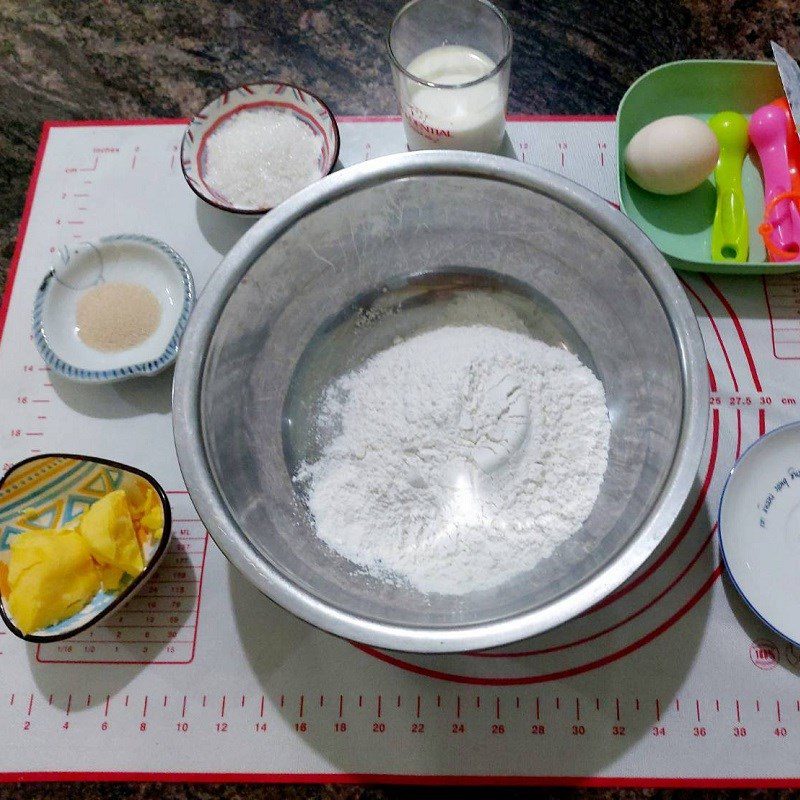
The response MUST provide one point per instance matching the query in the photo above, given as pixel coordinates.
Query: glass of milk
(451, 61)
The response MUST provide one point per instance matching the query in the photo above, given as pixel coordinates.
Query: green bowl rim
(740, 267)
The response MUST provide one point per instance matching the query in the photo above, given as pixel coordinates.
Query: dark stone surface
(109, 58)
(73, 59)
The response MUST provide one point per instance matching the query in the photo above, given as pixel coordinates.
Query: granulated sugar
(460, 458)
(258, 158)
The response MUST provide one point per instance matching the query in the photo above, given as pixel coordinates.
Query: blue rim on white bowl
(150, 261)
(755, 523)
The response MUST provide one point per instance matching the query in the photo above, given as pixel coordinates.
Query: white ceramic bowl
(127, 258)
(285, 97)
(759, 528)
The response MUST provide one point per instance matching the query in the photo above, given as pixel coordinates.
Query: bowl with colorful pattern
(51, 493)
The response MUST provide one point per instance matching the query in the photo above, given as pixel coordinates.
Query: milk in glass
(452, 115)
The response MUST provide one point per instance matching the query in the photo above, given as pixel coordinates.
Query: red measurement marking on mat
(261, 707)
(537, 709)
(380, 701)
(697, 709)
(658, 711)
(739, 330)
(341, 705)
(616, 702)
(106, 705)
(738, 712)
(30, 705)
(458, 706)
(160, 625)
(497, 708)
(222, 707)
(778, 709)
(303, 703)
(578, 709)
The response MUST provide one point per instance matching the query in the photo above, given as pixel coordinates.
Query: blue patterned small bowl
(128, 258)
(284, 97)
(52, 491)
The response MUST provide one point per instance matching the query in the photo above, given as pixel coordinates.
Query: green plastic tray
(680, 225)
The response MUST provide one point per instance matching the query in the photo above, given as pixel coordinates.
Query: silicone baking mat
(669, 681)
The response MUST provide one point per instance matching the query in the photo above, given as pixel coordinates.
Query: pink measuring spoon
(770, 130)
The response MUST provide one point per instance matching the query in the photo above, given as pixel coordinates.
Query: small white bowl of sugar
(257, 145)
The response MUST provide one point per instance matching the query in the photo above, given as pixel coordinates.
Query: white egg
(672, 155)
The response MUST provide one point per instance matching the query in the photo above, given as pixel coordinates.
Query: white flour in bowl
(459, 458)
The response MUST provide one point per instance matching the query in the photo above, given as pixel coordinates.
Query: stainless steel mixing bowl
(386, 248)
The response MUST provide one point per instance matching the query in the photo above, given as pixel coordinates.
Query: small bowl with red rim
(304, 106)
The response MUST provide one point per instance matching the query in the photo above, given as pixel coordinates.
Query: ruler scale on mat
(668, 681)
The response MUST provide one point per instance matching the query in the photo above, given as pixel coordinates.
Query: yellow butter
(136, 492)
(111, 577)
(51, 576)
(147, 511)
(108, 531)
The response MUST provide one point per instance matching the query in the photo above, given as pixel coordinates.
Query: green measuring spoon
(729, 235)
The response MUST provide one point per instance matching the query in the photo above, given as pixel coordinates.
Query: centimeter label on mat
(578, 719)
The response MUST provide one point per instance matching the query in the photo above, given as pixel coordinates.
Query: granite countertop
(72, 59)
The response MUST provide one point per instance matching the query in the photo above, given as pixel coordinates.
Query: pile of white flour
(460, 458)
